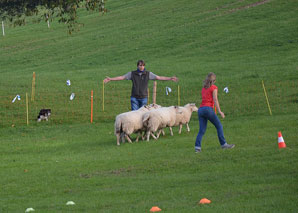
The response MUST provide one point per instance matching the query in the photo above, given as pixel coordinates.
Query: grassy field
(44, 165)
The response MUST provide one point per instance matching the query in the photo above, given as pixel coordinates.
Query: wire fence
(111, 99)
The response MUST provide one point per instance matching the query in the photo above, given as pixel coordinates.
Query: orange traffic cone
(281, 143)
(204, 201)
(155, 209)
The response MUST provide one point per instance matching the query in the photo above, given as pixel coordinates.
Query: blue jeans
(205, 114)
(137, 103)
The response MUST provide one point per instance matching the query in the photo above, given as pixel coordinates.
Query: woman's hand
(222, 114)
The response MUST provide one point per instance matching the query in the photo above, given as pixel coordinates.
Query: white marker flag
(168, 90)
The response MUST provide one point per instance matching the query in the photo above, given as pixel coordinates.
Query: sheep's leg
(158, 134)
(180, 128)
(122, 137)
(153, 136)
(188, 129)
(139, 134)
(148, 135)
(171, 131)
(118, 139)
(128, 138)
(143, 136)
(163, 132)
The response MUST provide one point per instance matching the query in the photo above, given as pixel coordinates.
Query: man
(140, 78)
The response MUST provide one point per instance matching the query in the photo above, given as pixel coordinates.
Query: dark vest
(139, 84)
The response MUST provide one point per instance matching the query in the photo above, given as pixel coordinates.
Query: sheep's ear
(156, 106)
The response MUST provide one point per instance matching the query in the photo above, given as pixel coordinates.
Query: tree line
(16, 11)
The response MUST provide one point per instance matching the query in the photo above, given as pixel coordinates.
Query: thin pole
(178, 95)
(154, 92)
(27, 108)
(33, 87)
(91, 106)
(148, 96)
(48, 21)
(103, 96)
(3, 32)
(266, 98)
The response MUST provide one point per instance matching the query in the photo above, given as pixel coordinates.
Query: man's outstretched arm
(118, 78)
(163, 78)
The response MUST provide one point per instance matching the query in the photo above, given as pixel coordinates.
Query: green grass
(44, 165)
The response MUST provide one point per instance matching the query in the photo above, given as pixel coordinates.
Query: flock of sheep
(152, 119)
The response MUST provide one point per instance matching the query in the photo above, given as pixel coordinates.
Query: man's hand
(107, 79)
(174, 78)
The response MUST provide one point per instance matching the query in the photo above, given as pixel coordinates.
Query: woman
(206, 112)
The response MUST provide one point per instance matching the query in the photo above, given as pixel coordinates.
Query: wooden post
(178, 95)
(3, 32)
(48, 21)
(33, 87)
(103, 96)
(27, 109)
(148, 97)
(91, 120)
(266, 98)
(154, 92)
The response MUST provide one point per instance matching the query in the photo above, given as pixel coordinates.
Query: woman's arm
(118, 78)
(215, 99)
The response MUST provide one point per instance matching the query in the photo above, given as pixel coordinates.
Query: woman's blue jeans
(137, 103)
(205, 114)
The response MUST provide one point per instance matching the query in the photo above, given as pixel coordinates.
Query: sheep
(158, 119)
(184, 117)
(129, 122)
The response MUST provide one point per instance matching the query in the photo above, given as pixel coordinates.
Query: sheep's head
(192, 107)
(145, 108)
(154, 106)
(178, 109)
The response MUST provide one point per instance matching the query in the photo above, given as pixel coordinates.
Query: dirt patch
(249, 6)
(233, 10)
(116, 172)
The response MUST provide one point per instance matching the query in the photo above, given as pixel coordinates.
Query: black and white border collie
(44, 114)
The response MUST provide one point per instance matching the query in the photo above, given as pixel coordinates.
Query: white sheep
(131, 122)
(158, 119)
(184, 117)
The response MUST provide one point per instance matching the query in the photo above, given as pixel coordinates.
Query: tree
(16, 11)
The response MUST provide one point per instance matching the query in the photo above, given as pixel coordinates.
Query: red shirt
(207, 96)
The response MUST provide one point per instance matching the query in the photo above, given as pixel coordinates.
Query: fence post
(33, 87)
(91, 120)
(3, 32)
(154, 92)
(103, 96)
(178, 95)
(48, 21)
(27, 109)
(148, 96)
(266, 98)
